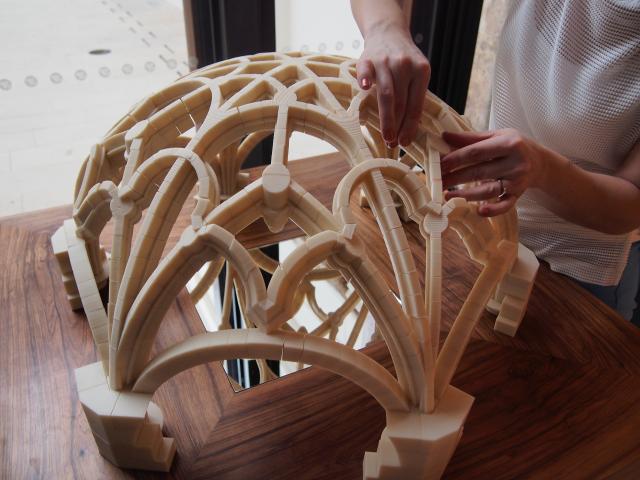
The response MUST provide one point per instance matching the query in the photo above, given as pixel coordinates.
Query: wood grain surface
(561, 400)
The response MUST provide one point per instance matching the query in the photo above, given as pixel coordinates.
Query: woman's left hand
(506, 162)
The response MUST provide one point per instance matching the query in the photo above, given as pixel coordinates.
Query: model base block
(417, 445)
(126, 426)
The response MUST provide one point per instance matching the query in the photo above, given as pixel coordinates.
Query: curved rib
(397, 332)
(209, 276)
(95, 211)
(251, 343)
(161, 216)
(464, 324)
(413, 192)
(150, 306)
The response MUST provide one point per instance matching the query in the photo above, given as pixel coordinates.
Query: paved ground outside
(57, 99)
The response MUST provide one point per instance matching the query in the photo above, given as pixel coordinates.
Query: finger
(479, 152)
(401, 73)
(475, 193)
(386, 103)
(366, 73)
(415, 104)
(462, 139)
(497, 208)
(497, 168)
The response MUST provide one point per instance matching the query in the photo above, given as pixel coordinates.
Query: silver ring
(503, 191)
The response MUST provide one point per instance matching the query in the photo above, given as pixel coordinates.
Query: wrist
(386, 26)
(550, 167)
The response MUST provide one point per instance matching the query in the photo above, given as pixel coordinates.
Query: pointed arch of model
(131, 264)
(412, 191)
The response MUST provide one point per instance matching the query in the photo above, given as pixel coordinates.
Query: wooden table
(560, 400)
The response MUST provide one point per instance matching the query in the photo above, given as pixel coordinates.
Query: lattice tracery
(197, 133)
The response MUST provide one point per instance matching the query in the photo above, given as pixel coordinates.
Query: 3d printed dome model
(233, 105)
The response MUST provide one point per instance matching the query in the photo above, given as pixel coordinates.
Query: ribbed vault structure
(194, 136)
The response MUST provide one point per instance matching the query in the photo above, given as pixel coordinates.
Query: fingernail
(365, 83)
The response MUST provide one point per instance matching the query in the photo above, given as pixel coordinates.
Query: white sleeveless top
(568, 75)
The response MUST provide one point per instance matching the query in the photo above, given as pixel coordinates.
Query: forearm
(606, 203)
(394, 64)
(378, 15)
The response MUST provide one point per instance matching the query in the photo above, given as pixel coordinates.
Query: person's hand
(401, 73)
(506, 162)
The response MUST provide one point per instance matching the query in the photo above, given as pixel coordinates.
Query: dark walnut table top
(561, 400)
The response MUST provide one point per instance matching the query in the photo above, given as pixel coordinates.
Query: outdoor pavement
(57, 99)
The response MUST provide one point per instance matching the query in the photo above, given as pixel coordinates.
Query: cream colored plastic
(149, 163)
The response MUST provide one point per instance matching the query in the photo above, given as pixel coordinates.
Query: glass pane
(68, 72)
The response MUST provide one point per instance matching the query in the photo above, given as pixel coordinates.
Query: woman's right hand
(401, 73)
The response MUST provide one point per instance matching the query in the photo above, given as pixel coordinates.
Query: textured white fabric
(568, 75)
